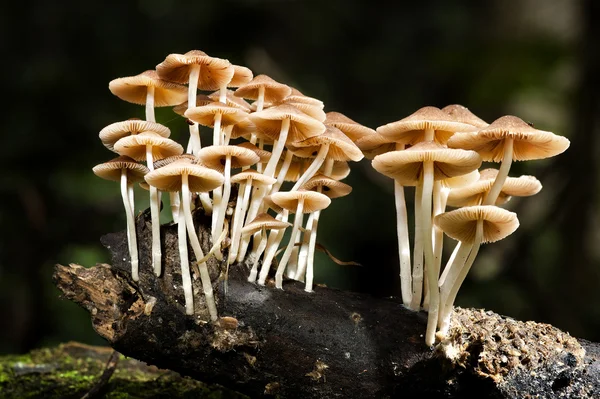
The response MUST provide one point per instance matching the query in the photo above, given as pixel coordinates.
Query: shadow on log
(325, 344)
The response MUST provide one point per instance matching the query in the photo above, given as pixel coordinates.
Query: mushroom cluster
(439, 152)
(274, 152)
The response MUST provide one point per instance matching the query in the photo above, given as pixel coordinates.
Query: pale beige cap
(116, 131)
(264, 221)
(230, 99)
(309, 109)
(241, 76)
(200, 178)
(341, 148)
(135, 146)
(462, 114)
(189, 158)
(313, 201)
(253, 177)
(263, 155)
(205, 114)
(274, 91)
(330, 187)
(214, 72)
(375, 144)
(340, 170)
(201, 99)
(111, 170)
(298, 97)
(461, 224)
(350, 128)
(134, 89)
(214, 156)
(268, 123)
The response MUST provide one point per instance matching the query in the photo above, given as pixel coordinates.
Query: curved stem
(186, 281)
(403, 243)
(328, 168)
(175, 204)
(304, 249)
(417, 273)
(154, 218)
(224, 200)
(204, 276)
(275, 237)
(150, 104)
(430, 264)
(313, 168)
(287, 161)
(238, 221)
(312, 242)
(259, 252)
(130, 194)
(494, 192)
(278, 148)
(288, 250)
(448, 267)
(131, 235)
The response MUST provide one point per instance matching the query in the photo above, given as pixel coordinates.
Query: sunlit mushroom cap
(253, 177)
(214, 72)
(274, 91)
(241, 76)
(312, 201)
(462, 114)
(297, 97)
(350, 128)
(263, 155)
(133, 89)
(340, 170)
(473, 194)
(111, 170)
(375, 144)
(214, 156)
(406, 166)
(200, 178)
(309, 109)
(205, 114)
(461, 224)
(243, 128)
(411, 130)
(529, 143)
(201, 99)
(264, 221)
(115, 131)
(330, 187)
(230, 100)
(268, 122)
(268, 202)
(341, 148)
(189, 158)
(135, 146)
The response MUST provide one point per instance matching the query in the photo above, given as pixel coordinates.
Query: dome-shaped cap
(189, 158)
(330, 187)
(263, 155)
(205, 114)
(309, 109)
(268, 123)
(461, 224)
(253, 177)
(111, 170)
(529, 143)
(462, 114)
(406, 166)
(264, 221)
(341, 148)
(274, 91)
(230, 100)
(411, 130)
(214, 156)
(297, 97)
(241, 76)
(116, 131)
(214, 72)
(135, 146)
(350, 128)
(200, 178)
(201, 99)
(312, 200)
(134, 89)
(375, 144)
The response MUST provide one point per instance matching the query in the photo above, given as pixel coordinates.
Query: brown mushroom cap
(297, 97)
(134, 89)
(309, 109)
(264, 155)
(375, 144)
(313, 201)
(330, 187)
(135, 146)
(116, 131)
(189, 158)
(268, 202)
(341, 148)
(268, 123)
(201, 99)
(473, 194)
(214, 72)
(411, 130)
(461, 224)
(230, 100)
(274, 91)
(200, 178)
(257, 179)
(214, 156)
(264, 221)
(406, 166)
(241, 76)
(350, 128)
(529, 143)
(340, 170)
(462, 114)
(111, 170)
(205, 114)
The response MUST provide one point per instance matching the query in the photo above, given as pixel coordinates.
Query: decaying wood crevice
(329, 343)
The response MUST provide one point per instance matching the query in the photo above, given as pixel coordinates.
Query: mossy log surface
(325, 344)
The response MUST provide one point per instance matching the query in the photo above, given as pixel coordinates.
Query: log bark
(325, 344)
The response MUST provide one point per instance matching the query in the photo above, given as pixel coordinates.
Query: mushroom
(263, 89)
(354, 130)
(150, 147)
(299, 202)
(110, 134)
(472, 226)
(216, 115)
(509, 139)
(174, 196)
(149, 90)
(186, 178)
(126, 171)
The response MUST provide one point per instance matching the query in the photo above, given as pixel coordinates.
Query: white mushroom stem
(313, 168)
(312, 243)
(287, 161)
(278, 148)
(507, 159)
(259, 252)
(429, 135)
(440, 196)
(195, 143)
(260, 101)
(192, 92)
(186, 280)
(238, 221)
(417, 273)
(195, 243)
(150, 104)
(291, 269)
(206, 203)
(403, 243)
(261, 145)
(450, 288)
(446, 271)
(224, 199)
(154, 217)
(288, 250)
(223, 93)
(131, 235)
(131, 200)
(275, 237)
(304, 248)
(432, 271)
(175, 204)
(227, 130)
(217, 135)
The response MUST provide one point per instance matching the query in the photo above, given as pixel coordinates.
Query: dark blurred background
(376, 62)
